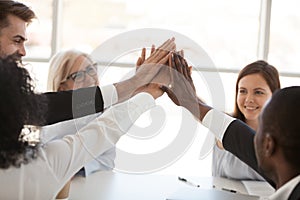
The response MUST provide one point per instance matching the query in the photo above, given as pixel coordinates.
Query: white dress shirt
(284, 191)
(227, 165)
(58, 160)
(105, 161)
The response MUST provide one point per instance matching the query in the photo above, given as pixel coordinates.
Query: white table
(117, 186)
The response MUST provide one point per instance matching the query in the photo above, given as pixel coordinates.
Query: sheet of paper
(258, 188)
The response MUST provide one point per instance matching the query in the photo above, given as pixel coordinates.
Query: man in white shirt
(273, 151)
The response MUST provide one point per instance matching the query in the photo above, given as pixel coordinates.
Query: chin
(251, 117)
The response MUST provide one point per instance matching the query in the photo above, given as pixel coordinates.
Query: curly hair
(18, 105)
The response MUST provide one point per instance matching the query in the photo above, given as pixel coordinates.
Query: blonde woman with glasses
(70, 70)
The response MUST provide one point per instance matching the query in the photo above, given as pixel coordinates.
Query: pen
(188, 182)
(229, 190)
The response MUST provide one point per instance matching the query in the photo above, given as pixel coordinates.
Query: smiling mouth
(251, 107)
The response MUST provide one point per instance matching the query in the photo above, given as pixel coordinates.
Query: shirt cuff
(109, 95)
(217, 122)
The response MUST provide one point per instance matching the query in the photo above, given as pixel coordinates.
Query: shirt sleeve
(109, 95)
(217, 122)
(236, 137)
(66, 105)
(66, 156)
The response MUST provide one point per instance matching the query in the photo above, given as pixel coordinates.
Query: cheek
(8, 49)
(240, 101)
(69, 85)
(76, 86)
(262, 101)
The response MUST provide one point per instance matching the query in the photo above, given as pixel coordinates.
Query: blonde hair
(60, 67)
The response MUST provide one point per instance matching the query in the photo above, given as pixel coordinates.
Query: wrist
(197, 108)
(126, 89)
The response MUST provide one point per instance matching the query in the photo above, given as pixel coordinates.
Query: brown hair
(16, 9)
(267, 71)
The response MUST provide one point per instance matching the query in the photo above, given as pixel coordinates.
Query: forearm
(197, 107)
(125, 89)
(96, 138)
(72, 104)
(238, 139)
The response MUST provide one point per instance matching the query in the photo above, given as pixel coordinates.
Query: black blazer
(238, 139)
(67, 105)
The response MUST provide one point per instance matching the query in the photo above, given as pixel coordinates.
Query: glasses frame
(74, 76)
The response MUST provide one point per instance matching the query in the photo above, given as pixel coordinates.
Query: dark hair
(267, 71)
(18, 106)
(14, 8)
(280, 118)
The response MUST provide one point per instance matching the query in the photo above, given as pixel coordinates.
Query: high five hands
(174, 76)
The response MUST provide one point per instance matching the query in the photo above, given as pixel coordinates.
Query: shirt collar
(285, 191)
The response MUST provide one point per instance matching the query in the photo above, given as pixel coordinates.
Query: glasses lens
(91, 70)
(78, 76)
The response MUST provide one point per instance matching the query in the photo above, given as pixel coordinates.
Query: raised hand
(181, 89)
(147, 70)
(157, 55)
(142, 58)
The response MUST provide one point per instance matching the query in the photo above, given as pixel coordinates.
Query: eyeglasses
(79, 76)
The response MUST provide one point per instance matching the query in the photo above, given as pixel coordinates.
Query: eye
(258, 92)
(91, 70)
(77, 76)
(18, 41)
(242, 91)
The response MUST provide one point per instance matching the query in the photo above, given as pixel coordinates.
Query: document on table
(258, 188)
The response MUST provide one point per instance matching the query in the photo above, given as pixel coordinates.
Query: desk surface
(117, 186)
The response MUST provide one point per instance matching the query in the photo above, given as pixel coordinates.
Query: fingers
(141, 59)
(190, 70)
(171, 71)
(152, 49)
(138, 63)
(162, 51)
(167, 43)
(184, 67)
(178, 63)
(181, 53)
(143, 54)
(164, 59)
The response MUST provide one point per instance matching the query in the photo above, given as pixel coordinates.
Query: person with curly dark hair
(18, 105)
(31, 170)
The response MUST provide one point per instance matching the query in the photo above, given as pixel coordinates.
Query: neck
(284, 175)
(252, 123)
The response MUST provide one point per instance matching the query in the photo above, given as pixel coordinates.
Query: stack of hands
(166, 70)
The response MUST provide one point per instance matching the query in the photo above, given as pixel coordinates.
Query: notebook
(190, 193)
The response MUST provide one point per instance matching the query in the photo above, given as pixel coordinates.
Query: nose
(249, 98)
(22, 51)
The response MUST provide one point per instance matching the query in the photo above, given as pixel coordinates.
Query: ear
(269, 145)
